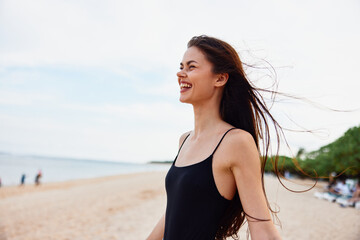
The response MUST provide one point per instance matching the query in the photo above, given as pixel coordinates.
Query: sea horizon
(57, 169)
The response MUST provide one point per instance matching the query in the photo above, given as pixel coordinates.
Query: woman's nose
(181, 73)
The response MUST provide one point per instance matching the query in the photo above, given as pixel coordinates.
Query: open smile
(184, 87)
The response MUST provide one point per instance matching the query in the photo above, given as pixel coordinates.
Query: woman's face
(195, 78)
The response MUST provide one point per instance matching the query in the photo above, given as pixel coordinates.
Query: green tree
(342, 155)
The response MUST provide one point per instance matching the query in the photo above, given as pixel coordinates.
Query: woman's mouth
(184, 87)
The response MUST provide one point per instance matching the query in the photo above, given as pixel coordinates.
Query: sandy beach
(128, 206)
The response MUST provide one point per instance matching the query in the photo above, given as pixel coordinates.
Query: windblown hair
(243, 107)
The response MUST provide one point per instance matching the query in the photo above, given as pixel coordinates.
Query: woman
(216, 179)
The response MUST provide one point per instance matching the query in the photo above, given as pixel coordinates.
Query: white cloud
(155, 111)
(23, 98)
(135, 132)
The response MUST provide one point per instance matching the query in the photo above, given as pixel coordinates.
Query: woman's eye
(191, 67)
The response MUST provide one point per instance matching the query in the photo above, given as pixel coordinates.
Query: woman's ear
(222, 79)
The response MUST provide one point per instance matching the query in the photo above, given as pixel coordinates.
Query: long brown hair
(243, 107)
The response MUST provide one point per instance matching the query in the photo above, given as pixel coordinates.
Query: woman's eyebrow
(188, 62)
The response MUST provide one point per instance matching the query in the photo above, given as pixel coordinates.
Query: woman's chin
(184, 100)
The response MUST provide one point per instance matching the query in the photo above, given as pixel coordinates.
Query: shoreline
(13, 167)
(128, 206)
(15, 190)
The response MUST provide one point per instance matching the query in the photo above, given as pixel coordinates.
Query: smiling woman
(216, 180)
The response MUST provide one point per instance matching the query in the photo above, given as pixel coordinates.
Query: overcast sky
(97, 79)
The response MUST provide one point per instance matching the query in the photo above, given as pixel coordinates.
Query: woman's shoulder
(238, 136)
(240, 145)
(182, 137)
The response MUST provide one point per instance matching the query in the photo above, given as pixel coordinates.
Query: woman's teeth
(185, 85)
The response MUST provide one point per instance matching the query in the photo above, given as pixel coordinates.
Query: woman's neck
(206, 119)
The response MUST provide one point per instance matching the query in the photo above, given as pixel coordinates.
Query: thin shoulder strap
(183, 143)
(222, 139)
(181, 147)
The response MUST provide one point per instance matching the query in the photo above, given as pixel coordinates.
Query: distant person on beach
(331, 181)
(356, 194)
(287, 174)
(216, 179)
(0, 182)
(22, 180)
(37, 178)
(340, 188)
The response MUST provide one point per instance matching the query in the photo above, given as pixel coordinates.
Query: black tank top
(194, 205)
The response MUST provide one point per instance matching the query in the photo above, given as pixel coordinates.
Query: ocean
(12, 167)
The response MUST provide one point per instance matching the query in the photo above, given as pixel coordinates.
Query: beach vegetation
(342, 156)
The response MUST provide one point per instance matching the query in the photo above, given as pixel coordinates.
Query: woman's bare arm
(158, 231)
(246, 168)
